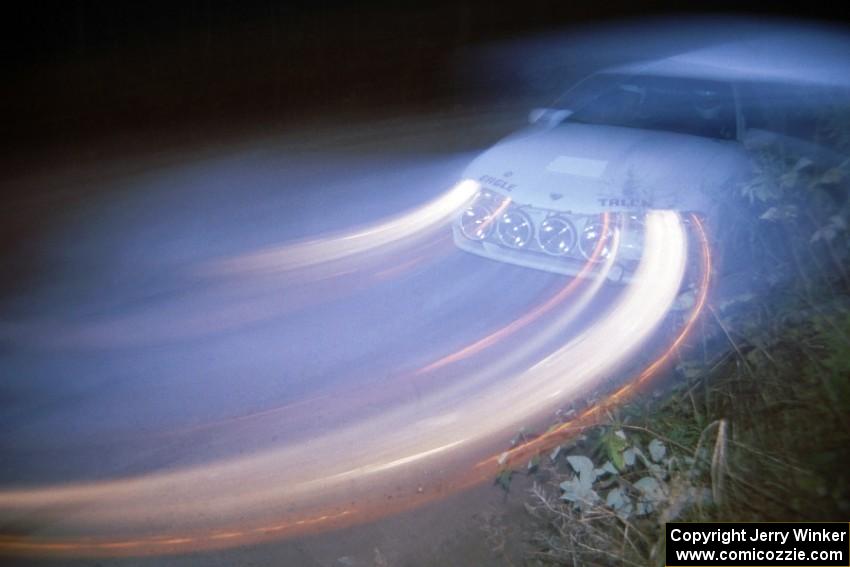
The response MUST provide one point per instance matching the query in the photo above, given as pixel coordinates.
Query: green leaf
(533, 464)
(503, 479)
(614, 445)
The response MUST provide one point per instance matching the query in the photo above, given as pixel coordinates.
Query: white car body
(567, 171)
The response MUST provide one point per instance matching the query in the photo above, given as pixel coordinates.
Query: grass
(759, 431)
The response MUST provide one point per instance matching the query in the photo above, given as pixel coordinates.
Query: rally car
(666, 134)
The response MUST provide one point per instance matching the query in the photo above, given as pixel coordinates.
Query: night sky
(86, 70)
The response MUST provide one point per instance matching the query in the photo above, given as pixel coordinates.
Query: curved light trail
(393, 232)
(429, 447)
(498, 336)
(245, 289)
(589, 417)
(541, 309)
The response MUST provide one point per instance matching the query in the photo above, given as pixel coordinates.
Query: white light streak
(335, 247)
(355, 460)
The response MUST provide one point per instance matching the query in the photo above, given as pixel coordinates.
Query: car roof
(779, 59)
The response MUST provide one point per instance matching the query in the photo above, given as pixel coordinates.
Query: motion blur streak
(328, 249)
(556, 435)
(535, 313)
(424, 448)
(510, 355)
(253, 295)
(698, 306)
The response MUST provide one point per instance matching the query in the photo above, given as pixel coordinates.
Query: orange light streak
(371, 507)
(531, 316)
(555, 436)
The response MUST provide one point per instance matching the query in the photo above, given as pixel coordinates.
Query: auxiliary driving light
(590, 237)
(556, 236)
(476, 222)
(515, 229)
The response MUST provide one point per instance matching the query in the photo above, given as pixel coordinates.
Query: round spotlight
(556, 236)
(476, 222)
(514, 229)
(590, 237)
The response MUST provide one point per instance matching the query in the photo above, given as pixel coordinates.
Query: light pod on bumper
(476, 222)
(590, 236)
(515, 229)
(478, 219)
(556, 236)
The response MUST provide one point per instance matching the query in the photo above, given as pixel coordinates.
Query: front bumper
(566, 265)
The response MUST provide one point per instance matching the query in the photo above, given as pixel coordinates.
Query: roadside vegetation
(756, 424)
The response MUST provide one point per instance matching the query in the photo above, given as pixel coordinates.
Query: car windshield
(671, 104)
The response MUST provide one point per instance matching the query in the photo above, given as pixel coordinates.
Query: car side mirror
(548, 116)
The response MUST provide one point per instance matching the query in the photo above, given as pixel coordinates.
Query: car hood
(582, 168)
